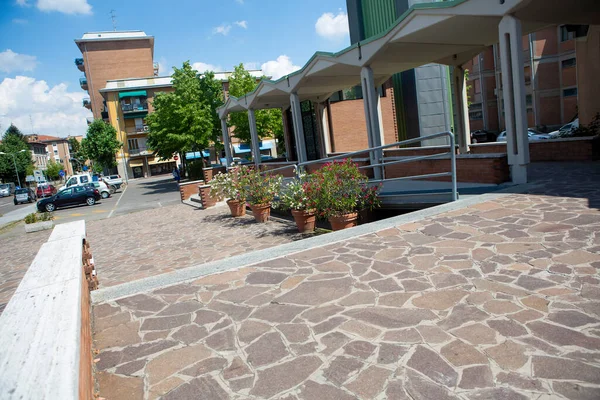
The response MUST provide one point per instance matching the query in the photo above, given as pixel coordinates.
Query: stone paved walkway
(500, 300)
(153, 242)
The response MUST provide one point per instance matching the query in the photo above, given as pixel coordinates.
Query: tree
(268, 122)
(13, 142)
(101, 144)
(76, 153)
(53, 170)
(185, 119)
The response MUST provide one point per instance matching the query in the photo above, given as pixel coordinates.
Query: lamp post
(15, 162)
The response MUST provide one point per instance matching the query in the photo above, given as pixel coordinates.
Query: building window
(565, 34)
(133, 143)
(529, 100)
(476, 115)
(353, 93)
(477, 85)
(570, 92)
(55, 152)
(570, 62)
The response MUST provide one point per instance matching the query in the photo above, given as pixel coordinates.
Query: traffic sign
(61, 173)
(85, 168)
(175, 158)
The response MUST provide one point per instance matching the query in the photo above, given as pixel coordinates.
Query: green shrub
(38, 217)
(31, 218)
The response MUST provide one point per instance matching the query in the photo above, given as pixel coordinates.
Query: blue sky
(39, 79)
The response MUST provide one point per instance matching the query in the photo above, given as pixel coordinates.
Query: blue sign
(61, 173)
(85, 168)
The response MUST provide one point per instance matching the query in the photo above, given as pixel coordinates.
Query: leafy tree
(185, 119)
(13, 142)
(101, 144)
(77, 153)
(53, 169)
(268, 122)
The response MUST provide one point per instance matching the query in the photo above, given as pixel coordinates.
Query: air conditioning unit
(146, 129)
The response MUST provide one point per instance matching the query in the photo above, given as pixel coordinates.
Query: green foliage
(38, 217)
(294, 197)
(262, 187)
(186, 119)
(77, 153)
(268, 122)
(31, 218)
(195, 170)
(230, 185)
(13, 142)
(101, 144)
(52, 170)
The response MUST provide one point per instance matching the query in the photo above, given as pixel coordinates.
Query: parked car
(45, 190)
(7, 189)
(104, 190)
(85, 179)
(68, 197)
(566, 130)
(24, 195)
(533, 136)
(482, 136)
(114, 180)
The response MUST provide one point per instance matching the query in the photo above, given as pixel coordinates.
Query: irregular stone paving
(500, 300)
(161, 240)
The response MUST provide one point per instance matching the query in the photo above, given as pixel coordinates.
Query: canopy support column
(226, 143)
(286, 134)
(323, 126)
(462, 128)
(254, 137)
(513, 86)
(298, 127)
(373, 117)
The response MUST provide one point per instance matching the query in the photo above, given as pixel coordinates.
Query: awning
(247, 148)
(134, 93)
(192, 155)
(157, 160)
(136, 163)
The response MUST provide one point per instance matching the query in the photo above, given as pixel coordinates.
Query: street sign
(175, 158)
(61, 173)
(30, 178)
(85, 168)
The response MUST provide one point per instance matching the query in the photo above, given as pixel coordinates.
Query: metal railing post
(453, 167)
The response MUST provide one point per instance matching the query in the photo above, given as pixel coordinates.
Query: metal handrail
(300, 166)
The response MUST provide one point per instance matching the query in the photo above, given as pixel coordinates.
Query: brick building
(57, 149)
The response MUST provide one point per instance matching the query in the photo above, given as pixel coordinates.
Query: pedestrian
(176, 175)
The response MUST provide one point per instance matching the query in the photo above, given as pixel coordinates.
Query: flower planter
(261, 212)
(365, 216)
(237, 207)
(343, 221)
(207, 199)
(39, 226)
(305, 220)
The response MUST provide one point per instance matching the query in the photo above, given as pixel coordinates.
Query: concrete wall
(568, 149)
(588, 71)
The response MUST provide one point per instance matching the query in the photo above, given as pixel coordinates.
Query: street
(140, 194)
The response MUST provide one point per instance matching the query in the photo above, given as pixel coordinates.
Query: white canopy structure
(450, 33)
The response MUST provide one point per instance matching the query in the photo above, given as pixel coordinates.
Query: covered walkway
(449, 33)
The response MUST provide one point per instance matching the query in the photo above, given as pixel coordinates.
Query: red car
(45, 190)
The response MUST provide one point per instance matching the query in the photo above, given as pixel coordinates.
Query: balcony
(135, 109)
(138, 130)
(80, 65)
(140, 151)
(87, 103)
(83, 82)
(104, 115)
(156, 68)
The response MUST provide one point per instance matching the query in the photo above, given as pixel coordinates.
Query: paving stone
(205, 366)
(328, 325)
(482, 284)
(361, 329)
(236, 369)
(562, 368)
(404, 336)
(575, 391)
(360, 349)
(497, 394)
(312, 390)
(369, 384)
(318, 292)
(432, 365)
(500, 307)
(386, 285)
(508, 355)
(577, 257)
(447, 280)
(221, 341)
(190, 334)
(532, 283)
(394, 299)
(520, 381)
(462, 314)
(507, 327)
(180, 289)
(526, 316)
(118, 336)
(563, 336)
(104, 310)
(413, 285)
(479, 376)
(433, 334)
(460, 353)
(265, 278)
(120, 388)
(162, 323)
(164, 387)
(390, 353)
(535, 302)
(111, 321)
(183, 307)
(241, 294)
(391, 318)
(284, 376)
(235, 312)
(204, 386)
(266, 350)
(250, 330)
(571, 318)
(358, 298)
(174, 360)
(142, 302)
(295, 333)
(204, 317)
(130, 368)
(476, 334)
(333, 341)
(420, 388)
(439, 300)
(341, 369)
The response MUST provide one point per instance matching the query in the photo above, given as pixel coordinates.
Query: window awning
(134, 93)
(196, 154)
(247, 148)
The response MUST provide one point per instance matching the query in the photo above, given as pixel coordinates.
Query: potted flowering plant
(336, 189)
(261, 189)
(294, 196)
(231, 186)
(367, 202)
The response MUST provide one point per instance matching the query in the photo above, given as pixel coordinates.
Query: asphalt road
(139, 194)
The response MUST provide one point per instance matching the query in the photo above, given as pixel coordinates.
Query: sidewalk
(16, 215)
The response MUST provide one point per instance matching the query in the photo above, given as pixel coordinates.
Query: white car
(533, 136)
(566, 130)
(104, 190)
(86, 179)
(114, 180)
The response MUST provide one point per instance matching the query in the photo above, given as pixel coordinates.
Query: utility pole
(113, 16)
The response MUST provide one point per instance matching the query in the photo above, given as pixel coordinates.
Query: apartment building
(39, 154)
(57, 149)
(551, 78)
(109, 56)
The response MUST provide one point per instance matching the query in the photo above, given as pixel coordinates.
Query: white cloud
(11, 61)
(19, 21)
(222, 30)
(333, 27)
(163, 67)
(242, 24)
(54, 111)
(63, 6)
(252, 65)
(203, 67)
(280, 67)
(239, 1)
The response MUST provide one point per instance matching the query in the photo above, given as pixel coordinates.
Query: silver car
(531, 134)
(24, 195)
(6, 189)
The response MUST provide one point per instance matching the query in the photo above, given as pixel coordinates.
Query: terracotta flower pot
(343, 221)
(365, 216)
(237, 207)
(261, 212)
(305, 220)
